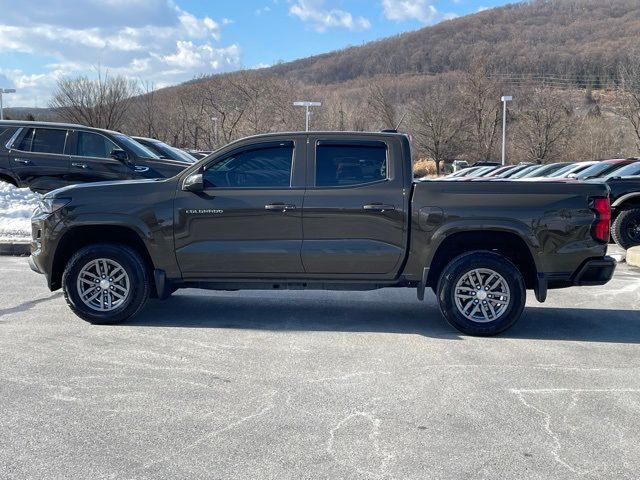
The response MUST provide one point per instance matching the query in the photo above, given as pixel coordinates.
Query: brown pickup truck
(318, 210)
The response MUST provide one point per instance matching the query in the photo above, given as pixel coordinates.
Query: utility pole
(307, 113)
(504, 99)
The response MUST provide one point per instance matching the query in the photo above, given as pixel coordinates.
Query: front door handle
(25, 162)
(79, 165)
(378, 207)
(281, 207)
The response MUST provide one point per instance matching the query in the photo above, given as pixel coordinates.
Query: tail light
(602, 225)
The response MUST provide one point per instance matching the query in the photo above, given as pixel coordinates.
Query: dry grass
(424, 168)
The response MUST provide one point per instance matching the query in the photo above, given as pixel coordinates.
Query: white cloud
(421, 10)
(321, 18)
(154, 40)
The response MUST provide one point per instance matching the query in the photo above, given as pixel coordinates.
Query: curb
(633, 256)
(15, 249)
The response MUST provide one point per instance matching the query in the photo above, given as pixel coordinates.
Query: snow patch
(16, 207)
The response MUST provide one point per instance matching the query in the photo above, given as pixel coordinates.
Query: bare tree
(628, 95)
(544, 121)
(381, 105)
(102, 102)
(438, 124)
(480, 94)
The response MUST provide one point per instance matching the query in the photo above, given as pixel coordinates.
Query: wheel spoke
(97, 287)
(484, 304)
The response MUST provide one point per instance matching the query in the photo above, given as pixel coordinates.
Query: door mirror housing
(120, 155)
(193, 183)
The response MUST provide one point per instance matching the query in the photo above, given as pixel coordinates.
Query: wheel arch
(506, 243)
(84, 235)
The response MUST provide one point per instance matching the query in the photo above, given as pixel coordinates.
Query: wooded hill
(447, 78)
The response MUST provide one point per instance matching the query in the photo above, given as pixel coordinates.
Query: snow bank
(16, 207)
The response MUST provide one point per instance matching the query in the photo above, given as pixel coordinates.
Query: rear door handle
(279, 206)
(79, 165)
(25, 162)
(378, 207)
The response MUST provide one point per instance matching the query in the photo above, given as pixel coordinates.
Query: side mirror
(120, 155)
(193, 183)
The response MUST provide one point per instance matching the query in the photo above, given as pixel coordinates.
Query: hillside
(584, 39)
(457, 70)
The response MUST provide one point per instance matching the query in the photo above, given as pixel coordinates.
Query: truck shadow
(401, 315)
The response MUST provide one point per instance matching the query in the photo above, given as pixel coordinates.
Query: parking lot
(318, 385)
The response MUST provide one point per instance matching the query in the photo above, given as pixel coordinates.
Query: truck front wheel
(105, 283)
(481, 293)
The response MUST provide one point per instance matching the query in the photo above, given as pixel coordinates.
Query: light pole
(4, 90)
(504, 99)
(307, 113)
(215, 130)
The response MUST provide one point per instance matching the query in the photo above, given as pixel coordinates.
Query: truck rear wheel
(626, 228)
(105, 283)
(481, 293)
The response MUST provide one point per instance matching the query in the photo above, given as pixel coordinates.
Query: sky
(164, 42)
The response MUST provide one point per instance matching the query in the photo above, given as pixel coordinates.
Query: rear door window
(347, 164)
(48, 140)
(25, 143)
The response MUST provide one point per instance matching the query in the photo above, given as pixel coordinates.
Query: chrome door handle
(79, 165)
(25, 162)
(279, 206)
(378, 207)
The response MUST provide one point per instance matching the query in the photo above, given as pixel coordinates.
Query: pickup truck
(625, 205)
(321, 210)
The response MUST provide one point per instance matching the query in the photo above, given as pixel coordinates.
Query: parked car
(500, 170)
(458, 165)
(524, 171)
(464, 172)
(44, 156)
(542, 172)
(602, 168)
(572, 169)
(163, 150)
(346, 214)
(511, 172)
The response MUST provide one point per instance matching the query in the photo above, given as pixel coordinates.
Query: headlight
(50, 205)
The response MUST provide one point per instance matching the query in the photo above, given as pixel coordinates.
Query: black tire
(138, 282)
(625, 229)
(505, 314)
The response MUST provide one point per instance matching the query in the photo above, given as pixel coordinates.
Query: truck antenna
(401, 120)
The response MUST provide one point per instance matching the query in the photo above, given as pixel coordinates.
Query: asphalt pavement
(326, 385)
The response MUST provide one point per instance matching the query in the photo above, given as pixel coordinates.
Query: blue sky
(169, 41)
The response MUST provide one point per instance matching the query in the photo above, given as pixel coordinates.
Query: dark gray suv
(44, 156)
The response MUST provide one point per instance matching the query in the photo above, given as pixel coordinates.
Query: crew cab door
(38, 157)
(354, 217)
(90, 159)
(247, 218)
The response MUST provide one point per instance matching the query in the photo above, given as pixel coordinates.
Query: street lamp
(504, 99)
(4, 90)
(307, 113)
(215, 130)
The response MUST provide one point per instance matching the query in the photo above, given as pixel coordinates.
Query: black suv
(44, 156)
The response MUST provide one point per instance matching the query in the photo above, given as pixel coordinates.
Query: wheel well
(633, 202)
(8, 179)
(507, 244)
(79, 237)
